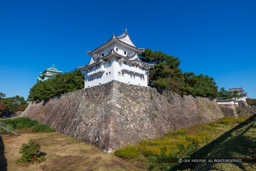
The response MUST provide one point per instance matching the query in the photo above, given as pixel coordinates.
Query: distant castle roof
(53, 69)
(48, 73)
(236, 89)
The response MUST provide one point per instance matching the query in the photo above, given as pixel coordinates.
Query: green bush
(41, 128)
(60, 84)
(23, 122)
(128, 152)
(177, 133)
(30, 153)
(228, 120)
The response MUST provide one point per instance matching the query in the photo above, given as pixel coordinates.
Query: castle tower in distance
(48, 73)
(117, 59)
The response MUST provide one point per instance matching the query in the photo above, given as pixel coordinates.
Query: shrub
(195, 140)
(205, 137)
(128, 152)
(30, 153)
(23, 122)
(177, 133)
(185, 149)
(210, 128)
(41, 128)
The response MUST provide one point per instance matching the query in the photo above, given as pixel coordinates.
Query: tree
(200, 85)
(235, 94)
(2, 107)
(2, 95)
(60, 84)
(166, 75)
(251, 102)
(222, 93)
(10, 105)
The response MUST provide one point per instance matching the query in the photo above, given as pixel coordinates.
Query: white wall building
(241, 94)
(117, 60)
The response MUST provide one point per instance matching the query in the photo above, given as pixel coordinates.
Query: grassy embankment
(237, 140)
(226, 138)
(62, 152)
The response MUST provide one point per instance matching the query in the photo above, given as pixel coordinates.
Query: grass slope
(239, 142)
(63, 153)
(162, 152)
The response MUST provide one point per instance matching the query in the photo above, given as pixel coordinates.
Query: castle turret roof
(123, 39)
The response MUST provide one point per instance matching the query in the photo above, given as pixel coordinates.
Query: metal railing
(8, 129)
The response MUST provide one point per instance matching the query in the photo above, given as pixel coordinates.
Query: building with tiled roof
(242, 95)
(117, 59)
(48, 73)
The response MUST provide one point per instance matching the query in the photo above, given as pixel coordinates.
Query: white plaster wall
(240, 99)
(128, 76)
(113, 71)
(120, 51)
(106, 76)
(224, 103)
(119, 71)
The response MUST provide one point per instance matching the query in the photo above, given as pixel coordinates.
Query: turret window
(102, 54)
(116, 49)
(125, 52)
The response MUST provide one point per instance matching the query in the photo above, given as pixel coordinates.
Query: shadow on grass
(3, 160)
(239, 143)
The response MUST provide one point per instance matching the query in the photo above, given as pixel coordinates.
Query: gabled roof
(133, 58)
(235, 89)
(123, 39)
(53, 69)
(126, 38)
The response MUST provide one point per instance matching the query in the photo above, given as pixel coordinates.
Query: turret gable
(122, 40)
(126, 38)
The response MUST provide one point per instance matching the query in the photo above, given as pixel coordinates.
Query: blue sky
(212, 37)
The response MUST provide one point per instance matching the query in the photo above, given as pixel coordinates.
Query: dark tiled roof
(225, 100)
(112, 52)
(235, 89)
(114, 38)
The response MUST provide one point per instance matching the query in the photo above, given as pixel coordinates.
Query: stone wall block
(115, 114)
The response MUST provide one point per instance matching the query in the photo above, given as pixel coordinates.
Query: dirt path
(63, 153)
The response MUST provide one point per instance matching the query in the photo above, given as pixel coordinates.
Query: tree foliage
(10, 105)
(200, 85)
(60, 84)
(167, 75)
(2, 95)
(251, 102)
(224, 94)
(30, 153)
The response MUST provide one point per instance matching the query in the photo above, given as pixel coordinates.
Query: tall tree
(166, 74)
(60, 84)
(2, 95)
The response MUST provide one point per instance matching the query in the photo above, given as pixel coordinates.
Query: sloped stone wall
(228, 109)
(115, 114)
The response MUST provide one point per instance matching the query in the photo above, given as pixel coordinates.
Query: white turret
(117, 59)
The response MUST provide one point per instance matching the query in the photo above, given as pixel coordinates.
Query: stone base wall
(115, 114)
(228, 109)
